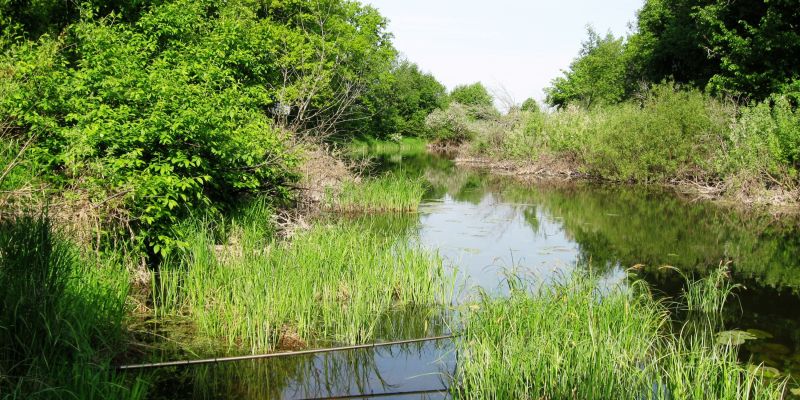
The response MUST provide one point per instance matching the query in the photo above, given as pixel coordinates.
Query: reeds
(371, 147)
(392, 192)
(572, 340)
(61, 317)
(330, 283)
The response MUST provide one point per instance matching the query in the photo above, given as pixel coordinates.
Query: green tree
(190, 108)
(472, 95)
(402, 100)
(755, 43)
(530, 104)
(667, 45)
(596, 77)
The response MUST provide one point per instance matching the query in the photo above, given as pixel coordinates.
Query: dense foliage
(596, 77)
(154, 111)
(746, 49)
(472, 95)
(403, 101)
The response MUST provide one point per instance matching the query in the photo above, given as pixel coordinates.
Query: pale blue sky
(516, 44)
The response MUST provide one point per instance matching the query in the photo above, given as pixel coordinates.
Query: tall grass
(390, 192)
(668, 134)
(330, 283)
(405, 146)
(572, 340)
(61, 318)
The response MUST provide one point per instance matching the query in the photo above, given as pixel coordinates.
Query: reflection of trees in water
(627, 225)
(322, 375)
(634, 225)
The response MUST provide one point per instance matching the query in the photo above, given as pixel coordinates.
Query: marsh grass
(393, 192)
(330, 283)
(570, 340)
(371, 147)
(61, 317)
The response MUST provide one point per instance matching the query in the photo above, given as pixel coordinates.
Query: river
(486, 226)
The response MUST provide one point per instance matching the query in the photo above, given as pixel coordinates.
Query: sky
(512, 46)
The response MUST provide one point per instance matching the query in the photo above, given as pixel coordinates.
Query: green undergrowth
(331, 282)
(576, 340)
(61, 318)
(390, 192)
(668, 134)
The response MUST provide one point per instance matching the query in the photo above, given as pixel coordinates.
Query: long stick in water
(276, 355)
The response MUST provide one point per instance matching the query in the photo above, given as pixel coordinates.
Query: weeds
(61, 318)
(331, 283)
(572, 340)
(391, 192)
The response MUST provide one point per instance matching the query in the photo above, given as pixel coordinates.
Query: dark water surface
(486, 225)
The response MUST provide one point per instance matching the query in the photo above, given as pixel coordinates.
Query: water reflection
(421, 369)
(485, 224)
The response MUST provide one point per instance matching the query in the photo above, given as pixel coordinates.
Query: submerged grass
(572, 340)
(390, 192)
(330, 283)
(61, 318)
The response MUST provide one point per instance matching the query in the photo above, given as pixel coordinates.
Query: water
(487, 225)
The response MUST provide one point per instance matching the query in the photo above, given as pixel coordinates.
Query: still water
(486, 226)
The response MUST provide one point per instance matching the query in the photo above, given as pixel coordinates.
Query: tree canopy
(748, 49)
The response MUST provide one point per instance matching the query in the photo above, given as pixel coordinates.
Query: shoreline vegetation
(576, 339)
(166, 168)
(670, 136)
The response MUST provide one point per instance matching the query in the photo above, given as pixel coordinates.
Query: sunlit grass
(330, 283)
(391, 192)
(572, 340)
(405, 146)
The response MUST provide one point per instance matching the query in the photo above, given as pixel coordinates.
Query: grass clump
(390, 192)
(371, 147)
(61, 318)
(574, 340)
(330, 283)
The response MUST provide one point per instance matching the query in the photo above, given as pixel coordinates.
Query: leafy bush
(474, 95)
(184, 106)
(765, 140)
(673, 134)
(670, 133)
(451, 125)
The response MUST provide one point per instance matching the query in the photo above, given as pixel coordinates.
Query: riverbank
(777, 200)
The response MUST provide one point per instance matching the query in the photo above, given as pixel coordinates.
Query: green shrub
(673, 134)
(670, 134)
(451, 125)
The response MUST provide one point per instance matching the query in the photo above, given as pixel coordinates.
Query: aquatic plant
(390, 192)
(574, 339)
(330, 283)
